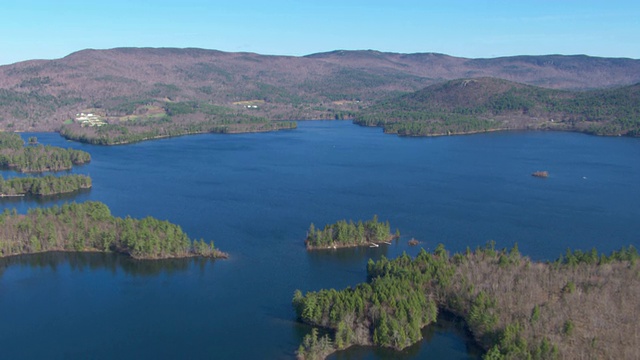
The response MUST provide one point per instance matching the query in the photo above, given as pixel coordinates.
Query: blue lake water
(255, 196)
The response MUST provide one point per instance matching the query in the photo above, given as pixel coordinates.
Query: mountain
(465, 106)
(576, 72)
(124, 83)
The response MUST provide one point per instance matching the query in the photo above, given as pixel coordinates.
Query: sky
(50, 29)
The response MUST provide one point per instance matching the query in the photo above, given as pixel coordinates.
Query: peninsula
(516, 308)
(153, 119)
(89, 226)
(348, 234)
(470, 106)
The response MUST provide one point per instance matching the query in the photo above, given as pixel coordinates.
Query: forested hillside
(173, 119)
(576, 307)
(488, 104)
(139, 84)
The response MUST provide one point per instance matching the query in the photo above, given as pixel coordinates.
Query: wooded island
(348, 234)
(43, 186)
(89, 226)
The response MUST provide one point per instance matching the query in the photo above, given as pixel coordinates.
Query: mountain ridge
(38, 95)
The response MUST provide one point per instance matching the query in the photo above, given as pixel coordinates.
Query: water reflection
(242, 191)
(80, 261)
(43, 200)
(347, 256)
(448, 338)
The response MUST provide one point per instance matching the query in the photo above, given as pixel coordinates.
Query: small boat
(541, 174)
(373, 245)
(387, 242)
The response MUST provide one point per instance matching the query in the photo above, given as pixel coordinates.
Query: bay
(255, 196)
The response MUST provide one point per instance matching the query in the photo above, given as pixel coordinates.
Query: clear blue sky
(48, 29)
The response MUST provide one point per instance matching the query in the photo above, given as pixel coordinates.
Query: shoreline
(475, 132)
(336, 246)
(354, 121)
(542, 317)
(159, 137)
(47, 195)
(218, 254)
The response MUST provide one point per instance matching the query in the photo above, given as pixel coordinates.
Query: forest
(346, 234)
(485, 104)
(44, 185)
(41, 96)
(176, 119)
(89, 226)
(581, 305)
(35, 157)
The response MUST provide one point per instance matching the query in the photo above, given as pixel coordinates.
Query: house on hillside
(89, 119)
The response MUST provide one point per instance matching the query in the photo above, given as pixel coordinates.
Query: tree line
(89, 226)
(453, 108)
(43, 186)
(118, 134)
(36, 157)
(32, 106)
(181, 118)
(514, 307)
(343, 233)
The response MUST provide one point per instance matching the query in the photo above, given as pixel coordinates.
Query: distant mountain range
(118, 84)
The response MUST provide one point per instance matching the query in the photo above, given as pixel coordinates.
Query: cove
(255, 196)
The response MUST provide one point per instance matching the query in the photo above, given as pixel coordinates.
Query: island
(36, 157)
(43, 186)
(348, 234)
(515, 308)
(89, 226)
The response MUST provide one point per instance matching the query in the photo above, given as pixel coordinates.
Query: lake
(255, 196)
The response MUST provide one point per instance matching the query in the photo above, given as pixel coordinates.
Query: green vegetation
(91, 227)
(314, 347)
(32, 105)
(274, 94)
(360, 84)
(37, 158)
(515, 308)
(43, 186)
(176, 119)
(485, 104)
(343, 234)
(40, 97)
